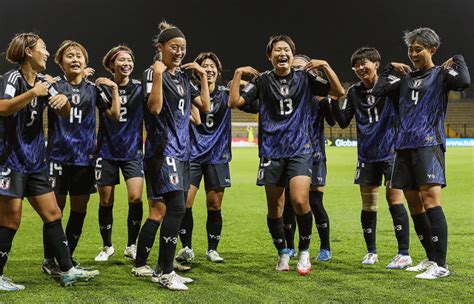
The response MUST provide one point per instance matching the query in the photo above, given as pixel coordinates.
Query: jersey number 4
(415, 96)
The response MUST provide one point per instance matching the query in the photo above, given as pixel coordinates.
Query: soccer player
(210, 157)
(322, 111)
(168, 94)
(285, 143)
(72, 145)
(375, 121)
(120, 142)
(421, 96)
(24, 167)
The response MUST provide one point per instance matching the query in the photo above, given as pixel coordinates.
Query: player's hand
(40, 88)
(247, 70)
(401, 68)
(105, 81)
(194, 66)
(49, 78)
(448, 63)
(57, 101)
(88, 72)
(315, 64)
(158, 67)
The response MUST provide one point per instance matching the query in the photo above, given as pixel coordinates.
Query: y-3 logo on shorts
(52, 182)
(98, 174)
(431, 176)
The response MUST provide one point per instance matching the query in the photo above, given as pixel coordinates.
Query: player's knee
(214, 204)
(107, 202)
(135, 198)
(370, 201)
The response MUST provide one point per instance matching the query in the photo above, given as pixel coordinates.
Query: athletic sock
(48, 250)
(186, 228)
(105, 224)
(214, 228)
(134, 221)
(289, 222)
(145, 242)
(321, 218)
(423, 230)
(401, 227)
(6, 240)
(439, 229)
(55, 235)
(369, 225)
(74, 229)
(275, 226)
(305, 225)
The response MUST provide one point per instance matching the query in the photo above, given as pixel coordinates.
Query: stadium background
(238, 32)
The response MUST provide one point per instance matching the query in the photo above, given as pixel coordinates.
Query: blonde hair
(66, 45)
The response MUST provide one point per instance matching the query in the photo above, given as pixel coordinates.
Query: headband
(169, 34)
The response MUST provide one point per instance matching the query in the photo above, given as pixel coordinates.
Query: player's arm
(457, 73)
(335, 87)
(249, 91)
(195, 116)
(343, 116)
(388, 84)
(202, 100)
(325, 107)
(155, 99)
(10, 104)
(114, 110)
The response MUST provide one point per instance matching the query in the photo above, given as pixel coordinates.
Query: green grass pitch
(248, 272)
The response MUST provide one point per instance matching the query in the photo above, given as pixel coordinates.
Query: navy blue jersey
(211, 140)
(422, 103)
(22, 137)
(321, 111)
(375, 120)
(285, 111)
(168, 132)
(72, 141)
(122, 140)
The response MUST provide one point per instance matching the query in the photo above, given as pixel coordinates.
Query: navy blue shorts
(165, 174)
(75, 180)
(20, 185)
(319, 173)
(370, 174)
(215, 175)
(417, 167)
(277, 172)
(107, 171)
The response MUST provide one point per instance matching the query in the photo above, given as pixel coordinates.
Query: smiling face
(366, 70)
(38, 56)
(123, 64)
(421, 56)
(281, 57)
(73, 61)
(211, 70)
(173, 52)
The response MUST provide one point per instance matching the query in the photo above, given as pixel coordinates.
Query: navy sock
(423, 230)
(214, 228)
(289, 222)
(186, 228)
(6, 240)
(321, 217)
(134, 221)
(105, 224)
(305, 225)
(369, 226)
(401, 227)
(439, 229)
(275, 226)
(145, 242)
(74, 229)
(57, 238)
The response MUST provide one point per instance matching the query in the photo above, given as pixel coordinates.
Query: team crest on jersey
(174, 178)
(180, 89)
(34, 102)
(285, 90)
(75, 99)
(417, 83)
(52, 182)
(98, 174)
(370, 99)
(5, 183)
